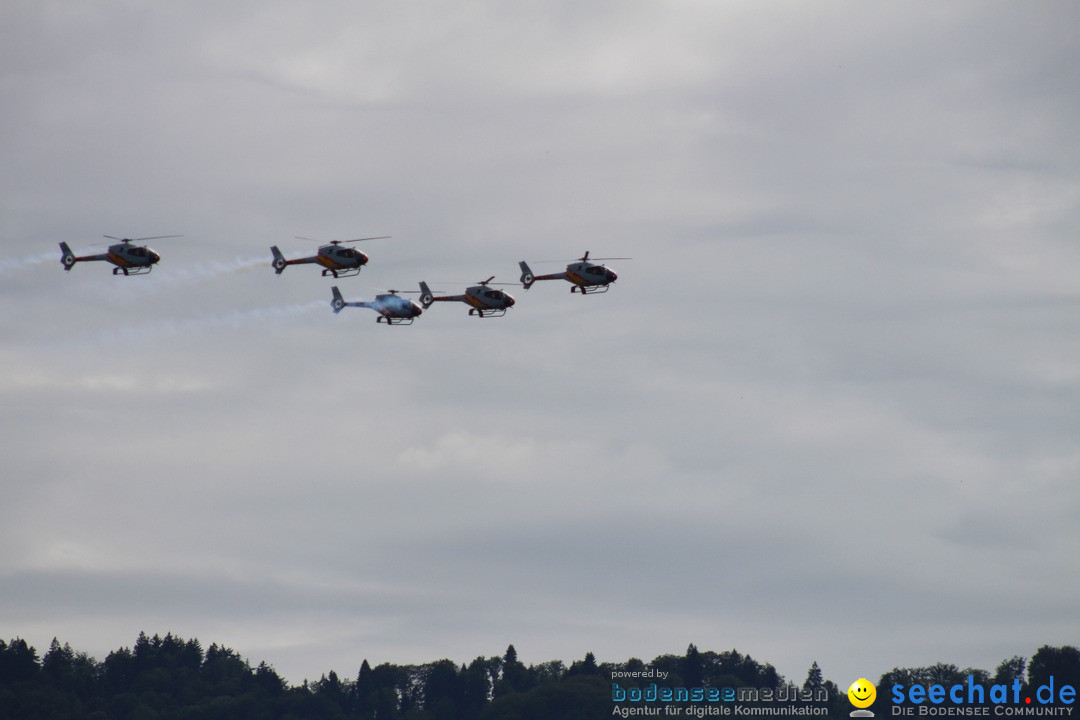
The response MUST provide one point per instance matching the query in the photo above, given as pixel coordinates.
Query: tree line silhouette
(166, 678)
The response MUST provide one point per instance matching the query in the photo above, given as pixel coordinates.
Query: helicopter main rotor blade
(459, 282)
(153, 237)
(567, 260)
(377, 237)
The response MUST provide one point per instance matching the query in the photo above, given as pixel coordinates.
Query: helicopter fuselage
(336, 257)
(586, 276)
(484, 299)
(392, 307)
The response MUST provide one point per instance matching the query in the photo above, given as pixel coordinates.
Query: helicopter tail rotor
(279, 260)
(338, 302)
(527, 277)
(426, 297)
(67, 258)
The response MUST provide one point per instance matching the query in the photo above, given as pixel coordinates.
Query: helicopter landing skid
(131, 271)
(591, 290)
(348, 272)
(488, 313)
(394, 321)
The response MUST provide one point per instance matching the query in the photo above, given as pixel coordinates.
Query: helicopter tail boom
(528, 278)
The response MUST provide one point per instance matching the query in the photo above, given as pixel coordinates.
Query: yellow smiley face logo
(862, 693)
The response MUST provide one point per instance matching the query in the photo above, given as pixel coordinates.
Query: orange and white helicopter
(129, 258)
(483, 301)
(392, 308)
(585, 277)
(335, 260)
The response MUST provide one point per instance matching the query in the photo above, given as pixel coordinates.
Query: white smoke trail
(190, 275)
(185, 327)
(245, 318)
(238, 319)
(11, 265)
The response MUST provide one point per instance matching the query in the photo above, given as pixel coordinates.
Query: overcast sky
(829, 412)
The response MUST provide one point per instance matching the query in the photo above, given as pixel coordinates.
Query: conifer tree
(814, 680)
(693, 671)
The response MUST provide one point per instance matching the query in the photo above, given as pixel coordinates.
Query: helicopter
(585, 277)
(392, 308)
(129, 258)
(484, 301)
(336, 260)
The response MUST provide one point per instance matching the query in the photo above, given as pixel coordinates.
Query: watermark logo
(1053, 698)
(862, 694)
(702, 701)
